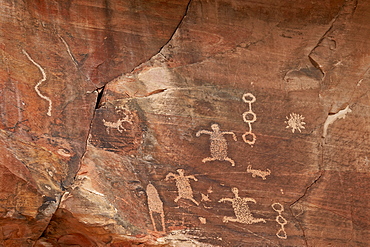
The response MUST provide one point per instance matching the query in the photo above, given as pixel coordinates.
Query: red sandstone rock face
(249, 127)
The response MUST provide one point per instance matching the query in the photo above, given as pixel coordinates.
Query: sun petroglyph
(280, 220)
(241, 209)
(249, 117)
(40, 82)
(183, 185)
(295, 121)
(155, 205)
(218, 146)
(259, 173)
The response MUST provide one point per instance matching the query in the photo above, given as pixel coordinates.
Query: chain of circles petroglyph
(249, 117)
(280, 220)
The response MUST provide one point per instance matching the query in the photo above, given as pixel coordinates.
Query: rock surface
(176, 123)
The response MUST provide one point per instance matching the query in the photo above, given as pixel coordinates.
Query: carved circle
(254, 117)
(277, 209)
(248, 141)
(251, 96)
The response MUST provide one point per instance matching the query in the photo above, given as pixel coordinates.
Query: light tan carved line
(183, 185)
(155, 205)
(249, 101)
(280, 220)
(241, 209)
(218, 146)
(259, 173)
(40, 82)
(69, 50)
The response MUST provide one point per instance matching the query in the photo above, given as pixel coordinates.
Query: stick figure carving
(249, 117)
(155, 205)
(241, 209)
(183, 185)
(218, 146)
(280, 220)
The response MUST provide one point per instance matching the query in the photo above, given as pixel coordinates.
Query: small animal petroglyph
(249, 117)
(218, 146)
(119, 123)
(259, 173)
(40, 82)
(183, 185)
(295, 121)
(280, 220)
(155, 205)
(114, 125)
(241, 209)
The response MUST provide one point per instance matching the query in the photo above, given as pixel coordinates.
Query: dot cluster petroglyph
(241, 209)
(218, 146)
(183, 185)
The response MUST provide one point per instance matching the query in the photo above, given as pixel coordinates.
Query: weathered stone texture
(221, 123)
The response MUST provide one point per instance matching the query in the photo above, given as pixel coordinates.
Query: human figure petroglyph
(249, 117)
(218, 146)
(40, 82)
(155, 205)
(241, 209)
(259, 173)
(280, 220)
(183, 185)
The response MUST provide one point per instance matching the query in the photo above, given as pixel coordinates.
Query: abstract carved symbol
(259, 173)
(218, 146)
(119, 123)
(280, 220)
(241, 209)
(249, 117)
(183, 185)
(295, 121)
(155, 205)
(40, 82)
